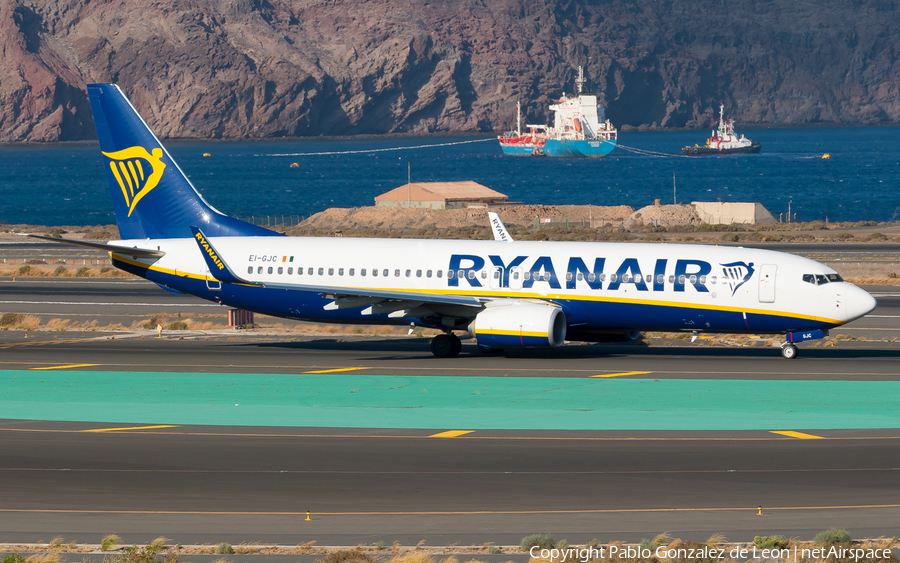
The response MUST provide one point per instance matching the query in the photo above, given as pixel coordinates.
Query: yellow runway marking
(334, 370)
(67, 367)
(447, 513)
(451, 433)
(622, 374)
(800, 435)
(130, 428)
(495, 438)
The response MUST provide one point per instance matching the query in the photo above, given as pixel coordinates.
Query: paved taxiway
(254, 483)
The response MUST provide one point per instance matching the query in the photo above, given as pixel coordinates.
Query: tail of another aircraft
(151, 195)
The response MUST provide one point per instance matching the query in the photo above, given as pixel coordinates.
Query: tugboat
(724, 141)
(579, 129)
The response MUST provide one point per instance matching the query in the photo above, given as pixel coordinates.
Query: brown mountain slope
(263, 68)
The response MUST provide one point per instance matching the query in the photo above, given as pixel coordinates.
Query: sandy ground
(547, 222)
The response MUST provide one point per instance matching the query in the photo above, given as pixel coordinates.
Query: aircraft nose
(859, 303)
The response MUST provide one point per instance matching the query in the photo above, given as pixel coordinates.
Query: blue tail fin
(151, 195)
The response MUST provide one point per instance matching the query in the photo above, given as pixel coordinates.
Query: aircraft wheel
(789, 351)
(457, 345)
(442, 346)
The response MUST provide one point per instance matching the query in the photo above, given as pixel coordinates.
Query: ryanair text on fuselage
(684, 272)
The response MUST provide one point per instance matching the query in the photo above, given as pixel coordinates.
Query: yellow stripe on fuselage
(511, 332)
(519, 294)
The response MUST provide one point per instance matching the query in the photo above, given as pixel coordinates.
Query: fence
(59, 261)
(558, 222)
(274, 220)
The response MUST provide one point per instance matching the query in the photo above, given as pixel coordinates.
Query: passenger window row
(537, 276)
(280, 270)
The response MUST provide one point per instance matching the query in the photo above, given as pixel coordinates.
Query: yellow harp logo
(137, 172)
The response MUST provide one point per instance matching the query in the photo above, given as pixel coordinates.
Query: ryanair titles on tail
(541, 269)
(212, 253)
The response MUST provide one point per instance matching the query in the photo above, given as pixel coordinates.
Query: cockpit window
(821, 279)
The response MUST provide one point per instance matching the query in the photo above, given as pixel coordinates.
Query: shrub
(493, 550)
(346, 556)
(105, 269)
(224, 548)
(770, 542)
(646, 544)
(25, 270)
(10, 319)
(543, 541)
(14, 558)
(157, 544)
(177, 325)
(83, 272)
(141, 554)
(109, 542)
(832, 535)
(60, 271)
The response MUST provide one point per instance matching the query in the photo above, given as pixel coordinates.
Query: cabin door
(767, 283)
(212, 283)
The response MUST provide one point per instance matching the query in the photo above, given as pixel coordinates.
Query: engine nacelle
(519, 324)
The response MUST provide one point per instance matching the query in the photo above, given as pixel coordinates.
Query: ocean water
(66, 184)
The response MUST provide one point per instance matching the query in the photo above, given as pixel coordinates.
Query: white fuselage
(602, 285)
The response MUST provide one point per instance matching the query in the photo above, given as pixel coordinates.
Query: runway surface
(676, 437)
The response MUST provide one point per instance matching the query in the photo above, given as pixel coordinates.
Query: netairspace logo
(585, 554)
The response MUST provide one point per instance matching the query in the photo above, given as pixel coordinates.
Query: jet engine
(518, 324)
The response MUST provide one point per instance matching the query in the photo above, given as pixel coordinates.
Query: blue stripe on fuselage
(612, 315)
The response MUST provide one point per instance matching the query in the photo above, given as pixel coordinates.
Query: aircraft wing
(121, 250)
(344, 297)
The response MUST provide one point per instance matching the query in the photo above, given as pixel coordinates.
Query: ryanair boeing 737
(505, 293)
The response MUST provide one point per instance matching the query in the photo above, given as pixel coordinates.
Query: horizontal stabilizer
(105, 247)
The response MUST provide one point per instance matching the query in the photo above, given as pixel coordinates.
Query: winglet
(217, 266)
(500, 232)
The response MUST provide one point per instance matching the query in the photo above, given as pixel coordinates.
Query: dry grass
(58, 324)
(26, 322)
(159, 543)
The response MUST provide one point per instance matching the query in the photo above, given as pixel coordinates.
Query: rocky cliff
(264, 68)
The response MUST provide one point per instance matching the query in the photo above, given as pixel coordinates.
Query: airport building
(441, 195)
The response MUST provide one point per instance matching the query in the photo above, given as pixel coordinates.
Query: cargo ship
(579, 129)
(724, 141)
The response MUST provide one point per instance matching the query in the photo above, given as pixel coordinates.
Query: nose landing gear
(789, 351)
(446, 345)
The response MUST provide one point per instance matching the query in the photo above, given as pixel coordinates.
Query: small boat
(579, 129)
(724, 140)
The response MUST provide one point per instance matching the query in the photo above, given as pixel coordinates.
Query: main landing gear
(789, 351)
(446, 345)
